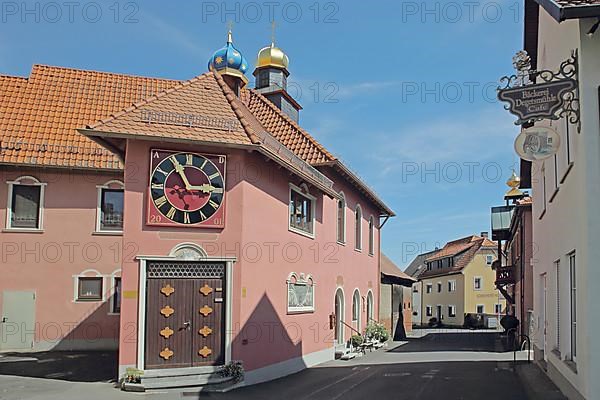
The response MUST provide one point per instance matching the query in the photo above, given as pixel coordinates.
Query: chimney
(484, 235)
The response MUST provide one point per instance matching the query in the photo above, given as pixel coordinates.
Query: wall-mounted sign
(535, 95)
(537, 101)
(537, 143)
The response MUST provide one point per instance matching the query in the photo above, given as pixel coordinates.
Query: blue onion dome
(229, 61)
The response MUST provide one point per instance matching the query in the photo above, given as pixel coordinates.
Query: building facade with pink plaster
(191, 224)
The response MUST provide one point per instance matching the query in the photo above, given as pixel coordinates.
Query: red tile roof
(463, 250)
(39, 115)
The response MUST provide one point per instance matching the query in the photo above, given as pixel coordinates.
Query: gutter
(561, 14)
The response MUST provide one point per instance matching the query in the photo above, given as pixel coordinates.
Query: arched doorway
(370, 308)
(339, 316)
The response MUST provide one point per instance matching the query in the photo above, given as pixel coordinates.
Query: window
(301, 294)
(489, 259)
(452, 286)
(497, 308)
(429, 288)
(358, 228)
(439, 287)
(480, 308)
(301, 211)
(477, 283)
(557, 266)
(89, 288)
(371, 236)
(25, 204)
(116, 300)
(356, 306)
(110, 207)
(452, 311)
(341, 219)
(429, 311)
(415, 289)
(573, 285)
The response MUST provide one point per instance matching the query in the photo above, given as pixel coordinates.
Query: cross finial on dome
(229, 35)
(273, 25)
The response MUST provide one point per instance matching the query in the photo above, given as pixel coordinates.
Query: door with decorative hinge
(208, 322)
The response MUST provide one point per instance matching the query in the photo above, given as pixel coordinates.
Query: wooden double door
(185, 319)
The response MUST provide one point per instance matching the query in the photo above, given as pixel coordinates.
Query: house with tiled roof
(414, 269)
(458, 280)
(179, 221)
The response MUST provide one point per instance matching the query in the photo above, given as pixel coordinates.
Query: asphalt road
(423, 381)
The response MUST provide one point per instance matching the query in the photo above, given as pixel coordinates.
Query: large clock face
(186, 189)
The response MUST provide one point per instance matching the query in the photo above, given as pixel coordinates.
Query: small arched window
(341, 219)
(371, 236)
(358, 228)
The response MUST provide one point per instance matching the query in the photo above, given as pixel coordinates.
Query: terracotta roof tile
(202, 97)
(284, 129)
(389, 268)
(39, 115)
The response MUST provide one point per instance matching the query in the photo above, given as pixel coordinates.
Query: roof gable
(562, 10)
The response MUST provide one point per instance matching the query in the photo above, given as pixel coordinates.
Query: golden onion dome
(272, 56)
(514, 181)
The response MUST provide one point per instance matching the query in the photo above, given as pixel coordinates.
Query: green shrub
(377, 331)
(356, 340)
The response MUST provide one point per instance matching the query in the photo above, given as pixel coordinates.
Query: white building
(566, 189)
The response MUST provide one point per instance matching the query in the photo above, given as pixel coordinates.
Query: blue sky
(402, 91)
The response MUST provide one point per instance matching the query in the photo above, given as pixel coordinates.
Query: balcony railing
(505, 275)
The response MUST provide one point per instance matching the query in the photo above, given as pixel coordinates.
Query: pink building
(189, 224)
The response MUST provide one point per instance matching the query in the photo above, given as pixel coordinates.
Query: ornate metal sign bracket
(545, 94)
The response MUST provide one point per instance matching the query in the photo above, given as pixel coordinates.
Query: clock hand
(205, 188)
(181, 171)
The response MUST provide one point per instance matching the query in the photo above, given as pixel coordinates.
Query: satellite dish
(537, 143)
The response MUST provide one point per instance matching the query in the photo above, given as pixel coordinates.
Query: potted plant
(234, 370)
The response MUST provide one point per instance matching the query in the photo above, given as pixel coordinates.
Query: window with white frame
(301, 293)
(429, 311)
(477, 283)
(25, 203)
(573, 300)
(451, 311)
(429, 288)
(341, 219)
(498, 308)
(356, 306)
(302, 206)
(89, 288)
(439, 287)
(489, 259)
(371, 235)
(110, 207)
(480, 308)
(358, 228)
(452, 286)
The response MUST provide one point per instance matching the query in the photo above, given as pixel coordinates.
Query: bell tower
(271, 75)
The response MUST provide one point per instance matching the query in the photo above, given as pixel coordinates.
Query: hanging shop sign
(537, 143)
(537, 95)
(537, 101)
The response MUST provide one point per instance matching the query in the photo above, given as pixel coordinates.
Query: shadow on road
(486, 342)
(89, 366)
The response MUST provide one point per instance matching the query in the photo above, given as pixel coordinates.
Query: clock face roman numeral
(161, 201)
(171, 213)
(187, 188)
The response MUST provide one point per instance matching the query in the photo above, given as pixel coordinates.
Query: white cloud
(174, 35)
